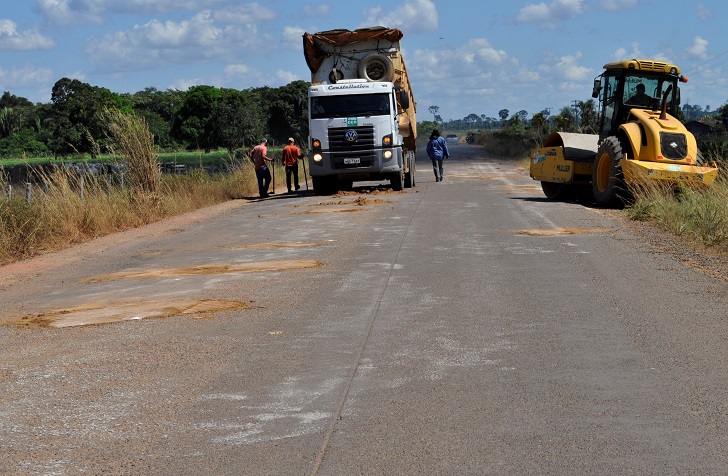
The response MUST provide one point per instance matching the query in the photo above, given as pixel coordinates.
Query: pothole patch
(97, 314)
(208, 269)
(561, 231)
(330, 210)
(296, 244)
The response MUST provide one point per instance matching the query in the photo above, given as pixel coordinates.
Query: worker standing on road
(259, 156)
(437, 151)
(291, 155)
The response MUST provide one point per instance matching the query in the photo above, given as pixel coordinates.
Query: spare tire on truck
(376, 67)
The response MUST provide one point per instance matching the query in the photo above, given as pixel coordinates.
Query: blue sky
(463, 56)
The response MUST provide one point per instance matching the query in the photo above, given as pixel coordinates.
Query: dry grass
(68, 207)
(694, 213)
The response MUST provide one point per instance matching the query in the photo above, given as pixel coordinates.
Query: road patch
(208, 269)
(561, 231)
(96, 314)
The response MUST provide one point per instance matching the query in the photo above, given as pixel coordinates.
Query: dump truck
(639, 139)
(361, 111)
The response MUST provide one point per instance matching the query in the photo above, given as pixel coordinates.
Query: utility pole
(576, 111)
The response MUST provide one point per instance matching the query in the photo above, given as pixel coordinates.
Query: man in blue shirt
(437, 151)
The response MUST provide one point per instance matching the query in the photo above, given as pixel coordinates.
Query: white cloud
(293, 37)
(615, 5)
(699, 48)
(412, 16)
(567, 68)
(66, 12)
(149, 45)
(548, 16)
(244, 14)
(704, 12)
(13, 40)
(622, 54)
(321, 10)
(285, 77)
(74, 12)
(237, 70)
(185, 84)
(24, 77)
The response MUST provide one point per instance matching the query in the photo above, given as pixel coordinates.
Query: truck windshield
(351, 105)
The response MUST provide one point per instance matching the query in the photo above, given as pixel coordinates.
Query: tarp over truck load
(317, 46)
(334, 55)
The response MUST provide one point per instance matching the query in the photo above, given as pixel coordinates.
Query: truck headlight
(318, 157)
(387, 154)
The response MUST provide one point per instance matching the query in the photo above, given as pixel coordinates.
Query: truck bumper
(368, 164)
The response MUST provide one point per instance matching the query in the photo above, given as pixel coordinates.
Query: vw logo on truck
(351, 135)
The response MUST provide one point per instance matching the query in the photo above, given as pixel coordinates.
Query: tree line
(581, 116)
(203, 117)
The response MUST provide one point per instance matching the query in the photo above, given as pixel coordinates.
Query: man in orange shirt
(259, 156)
(291, 154)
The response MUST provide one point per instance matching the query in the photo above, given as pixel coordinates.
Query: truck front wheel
(397, 181)
(323, 185)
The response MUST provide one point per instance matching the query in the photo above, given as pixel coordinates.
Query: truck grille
(362, 148)
(674, 146)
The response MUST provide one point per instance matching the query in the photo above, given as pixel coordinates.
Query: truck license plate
(350, 161)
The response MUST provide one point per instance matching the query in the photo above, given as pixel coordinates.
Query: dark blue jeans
(263, 176)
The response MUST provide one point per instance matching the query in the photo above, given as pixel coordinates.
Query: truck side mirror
(404, 99)
(597, 87)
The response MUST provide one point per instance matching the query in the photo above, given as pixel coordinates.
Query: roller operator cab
(639, 139)
(361, 120)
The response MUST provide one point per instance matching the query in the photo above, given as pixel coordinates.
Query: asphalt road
(467, 327)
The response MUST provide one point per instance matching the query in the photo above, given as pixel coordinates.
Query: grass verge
(68, 208)
(700, 215)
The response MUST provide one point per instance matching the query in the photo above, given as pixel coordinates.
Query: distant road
(467, 327)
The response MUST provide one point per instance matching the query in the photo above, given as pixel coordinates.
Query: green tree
(434, 110)
(588, 115)
(565, 121)
(12, 101)
(280, 110)
(503, 114)
(194, 122)
(540, 126)
(239, 119)
(77, 108)
(157, 108)
(471, 119)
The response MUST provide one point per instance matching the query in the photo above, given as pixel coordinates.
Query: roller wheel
(554, 190)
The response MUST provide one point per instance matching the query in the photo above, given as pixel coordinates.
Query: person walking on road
(291, 155)
(437, 151)
(259, 156)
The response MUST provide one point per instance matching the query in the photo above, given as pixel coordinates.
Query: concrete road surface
(468, 327)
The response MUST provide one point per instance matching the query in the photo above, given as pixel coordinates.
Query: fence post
(9, 191)
(28, 190)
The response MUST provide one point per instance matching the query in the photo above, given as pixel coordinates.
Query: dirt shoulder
(707, 260)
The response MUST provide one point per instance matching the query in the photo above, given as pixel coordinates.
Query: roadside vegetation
(69, 208)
